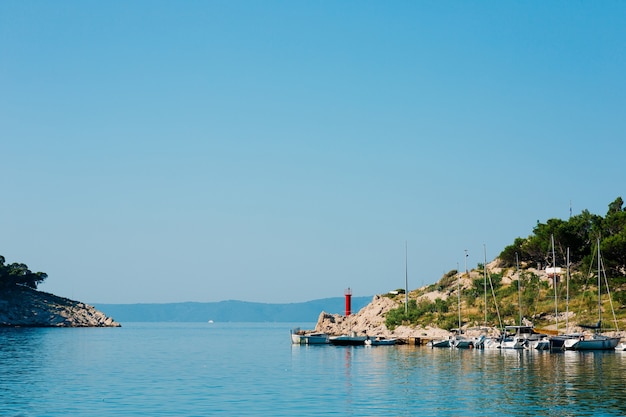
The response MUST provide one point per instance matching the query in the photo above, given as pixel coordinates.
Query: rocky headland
(25, 307)
(370, 320)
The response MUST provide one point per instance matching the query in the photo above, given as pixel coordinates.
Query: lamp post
(406, 280)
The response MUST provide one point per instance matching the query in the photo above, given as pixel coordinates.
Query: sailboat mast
(458, 290)
(567, 294)
(599, 293)
(554, 281)
(519, 289)
(485, 282)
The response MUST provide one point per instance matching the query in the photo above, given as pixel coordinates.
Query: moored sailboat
(596, 341)
(458, 339)
(557, 341)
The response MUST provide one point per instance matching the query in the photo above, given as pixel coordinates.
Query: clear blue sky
(281, 151)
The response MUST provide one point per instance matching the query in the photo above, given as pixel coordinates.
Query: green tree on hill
(15, 274)
(579, 233)
(614, 245)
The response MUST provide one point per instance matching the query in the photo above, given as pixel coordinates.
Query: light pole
(406, 280)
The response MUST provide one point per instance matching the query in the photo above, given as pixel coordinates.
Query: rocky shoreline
(370, 320)
(26, 307)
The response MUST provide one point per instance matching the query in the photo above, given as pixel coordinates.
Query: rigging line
(495, 301)
(608, 291)
(519, 288)
(567, 277)
(555, 287)
(586, 285)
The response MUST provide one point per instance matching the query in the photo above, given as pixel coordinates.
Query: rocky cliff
(25, 307)
(370, 320)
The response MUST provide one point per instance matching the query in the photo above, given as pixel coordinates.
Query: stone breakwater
(25, 307)
(370, 320)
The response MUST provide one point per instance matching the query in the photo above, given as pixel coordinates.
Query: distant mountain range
(230, 311)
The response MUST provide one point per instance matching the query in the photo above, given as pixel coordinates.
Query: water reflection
(184, 370)
(526, 383)
(17, 376)
(485, 382)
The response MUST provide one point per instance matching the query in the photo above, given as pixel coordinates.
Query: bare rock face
(25, 307)
(370, 320)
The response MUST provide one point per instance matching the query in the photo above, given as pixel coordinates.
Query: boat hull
(348, 340)
(380, 342)
(594, 343)
(558, 342)
(462, 343)
(513, 343)
(439, 343)
(309, 339)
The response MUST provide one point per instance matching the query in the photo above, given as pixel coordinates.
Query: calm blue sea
(201, 369)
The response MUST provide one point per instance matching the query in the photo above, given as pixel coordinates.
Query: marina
(515, 341)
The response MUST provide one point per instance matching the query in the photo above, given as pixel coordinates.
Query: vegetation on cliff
(15, 274)
(437, 304)
(21, 305)
(579, 233)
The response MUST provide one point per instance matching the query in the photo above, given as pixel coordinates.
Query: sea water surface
(251, 369)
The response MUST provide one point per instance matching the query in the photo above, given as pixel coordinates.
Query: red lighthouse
(348, 293)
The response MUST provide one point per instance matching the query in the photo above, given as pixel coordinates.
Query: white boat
(543, 344)
(557, 342)
(596, 341)
(489, 340)
(521, 337)
(380, 341)
(310, 339)
(463, 343)
(351, 339)
(299, 337)
(348, 340)
(442, 343)
(458, 340)
(492, 342)
(486, 341)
